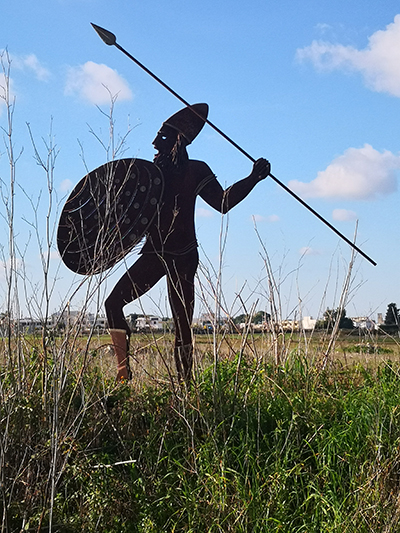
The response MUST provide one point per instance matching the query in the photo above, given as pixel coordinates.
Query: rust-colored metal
(108, 213)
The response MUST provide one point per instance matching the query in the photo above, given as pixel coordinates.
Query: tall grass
(262, 448)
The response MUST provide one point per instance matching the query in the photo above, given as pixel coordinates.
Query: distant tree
(346, 323)
(330, 317)
(239, 319)
(392, 317)
(258, 318)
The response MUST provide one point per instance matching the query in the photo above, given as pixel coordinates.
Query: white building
(308, 323)
(32, 325)
(149, 323)
(363, 322)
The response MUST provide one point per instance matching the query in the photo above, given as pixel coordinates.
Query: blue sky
(313, 86)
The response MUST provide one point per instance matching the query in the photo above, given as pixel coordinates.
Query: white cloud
(7, 265)
(6, 85)
(31, 62)
(262, 218)
(95, 82)
(358, 174)
(307, 250)
(55, 254)
(202, 212)
(344, 215)
(28, 62)
(322, 27)
(3, 84)
(66, 185)
(378, 62)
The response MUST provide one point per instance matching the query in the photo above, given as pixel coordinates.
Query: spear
(110, 39)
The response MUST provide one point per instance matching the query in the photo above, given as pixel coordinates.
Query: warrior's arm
(223, 200)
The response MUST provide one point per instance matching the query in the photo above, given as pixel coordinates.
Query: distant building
(149, 323)
(262, 327)
(363, 322)
(308, 323)
(85, 321)
(31, 325)
(99, 322)
(289, 325)
(207, 322)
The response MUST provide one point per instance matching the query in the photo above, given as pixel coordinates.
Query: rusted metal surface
(107, 214)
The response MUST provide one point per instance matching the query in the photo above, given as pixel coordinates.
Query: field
(306, 443)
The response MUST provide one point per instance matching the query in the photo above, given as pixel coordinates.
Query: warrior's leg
(120, 341)
(181, 272)
(140, 277)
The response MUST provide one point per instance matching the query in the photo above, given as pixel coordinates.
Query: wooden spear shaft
(110, 39)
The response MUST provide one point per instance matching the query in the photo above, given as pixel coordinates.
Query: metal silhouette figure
(110, 39)
(101, 222)
(170, 249)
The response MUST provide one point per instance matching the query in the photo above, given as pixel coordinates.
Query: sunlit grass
(251, 447)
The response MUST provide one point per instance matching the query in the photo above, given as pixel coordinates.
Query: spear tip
(105, 35)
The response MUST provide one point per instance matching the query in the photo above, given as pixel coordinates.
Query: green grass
(262, 449)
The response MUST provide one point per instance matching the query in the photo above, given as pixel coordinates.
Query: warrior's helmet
(189, 121)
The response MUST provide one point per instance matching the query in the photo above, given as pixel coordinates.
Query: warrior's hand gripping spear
(110, 39)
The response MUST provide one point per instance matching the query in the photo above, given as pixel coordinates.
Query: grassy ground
(251, 446)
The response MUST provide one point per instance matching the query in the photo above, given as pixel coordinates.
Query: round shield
(108, 213)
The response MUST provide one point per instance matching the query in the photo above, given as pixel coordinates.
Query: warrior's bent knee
(115, 316)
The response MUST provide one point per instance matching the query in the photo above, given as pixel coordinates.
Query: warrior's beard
(165, 161)
(174, 160)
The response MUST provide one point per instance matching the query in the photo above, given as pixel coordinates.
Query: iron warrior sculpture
(170, 249)
(98, 226)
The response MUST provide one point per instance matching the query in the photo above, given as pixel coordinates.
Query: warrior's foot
(124, 374)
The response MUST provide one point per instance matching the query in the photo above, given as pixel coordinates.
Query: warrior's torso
(173, 229)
